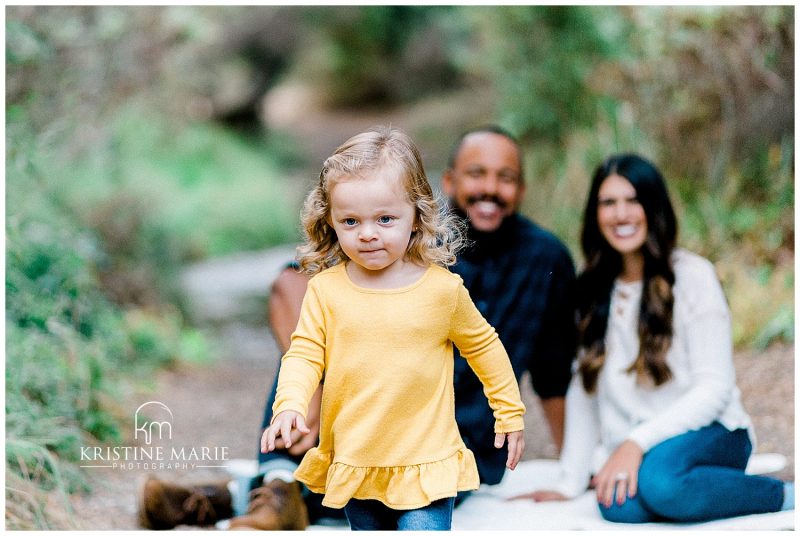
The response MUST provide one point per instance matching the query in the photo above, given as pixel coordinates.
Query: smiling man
(484, 178)
(520, 276)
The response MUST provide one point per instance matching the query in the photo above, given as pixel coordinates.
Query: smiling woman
(655, 392)
(622, 222)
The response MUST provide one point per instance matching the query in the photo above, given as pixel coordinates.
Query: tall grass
(94, 241)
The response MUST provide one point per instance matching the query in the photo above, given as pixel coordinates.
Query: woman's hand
(282, 425)
(516, 446)
(541, 495)
(620, 473)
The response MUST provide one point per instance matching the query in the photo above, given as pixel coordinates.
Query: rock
(235, 287)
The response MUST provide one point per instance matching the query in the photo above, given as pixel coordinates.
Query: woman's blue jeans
(374, 515)
(698, 476)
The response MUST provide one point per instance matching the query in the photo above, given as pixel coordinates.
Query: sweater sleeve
(303, 363)
(480, 345)
(581, 437)
(707, 338)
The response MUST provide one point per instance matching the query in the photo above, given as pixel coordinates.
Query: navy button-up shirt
(522, 279)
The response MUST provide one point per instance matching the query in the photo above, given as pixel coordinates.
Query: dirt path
(221, 405)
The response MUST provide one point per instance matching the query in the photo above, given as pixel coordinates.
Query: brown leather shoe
(164, 505)
(277, 505)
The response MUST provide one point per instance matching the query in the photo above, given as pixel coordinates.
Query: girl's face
(620, 216)
(373, 219)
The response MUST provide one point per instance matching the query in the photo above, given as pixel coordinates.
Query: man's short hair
(490, 129)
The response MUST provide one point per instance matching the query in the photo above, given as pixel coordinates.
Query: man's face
(486, 180)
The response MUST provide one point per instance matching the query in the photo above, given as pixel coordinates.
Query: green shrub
(70, 352)
(539, 59)
(176, 192)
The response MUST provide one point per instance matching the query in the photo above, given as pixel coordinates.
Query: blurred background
(141, 141)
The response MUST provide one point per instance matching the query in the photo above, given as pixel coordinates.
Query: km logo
(148, 425)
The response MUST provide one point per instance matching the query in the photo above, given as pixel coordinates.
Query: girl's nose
(366, 233)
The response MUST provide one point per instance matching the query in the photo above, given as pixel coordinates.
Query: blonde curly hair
(438, 234)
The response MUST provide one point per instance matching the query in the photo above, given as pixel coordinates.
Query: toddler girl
(378, 324)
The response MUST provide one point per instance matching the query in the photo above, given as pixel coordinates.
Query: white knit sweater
(702, 389)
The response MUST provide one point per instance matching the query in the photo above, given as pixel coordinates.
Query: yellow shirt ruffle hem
(400, 488)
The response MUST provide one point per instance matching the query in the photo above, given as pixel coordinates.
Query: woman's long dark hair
(604, 264)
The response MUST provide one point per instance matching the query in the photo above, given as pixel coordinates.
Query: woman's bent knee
(631, 511)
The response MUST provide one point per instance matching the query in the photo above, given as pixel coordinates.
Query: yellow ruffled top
(387, 423)
(402, 488)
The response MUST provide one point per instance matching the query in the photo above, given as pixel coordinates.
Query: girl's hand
(302, 442)
(542, 495)
(620, 473)
(516, 445)
(282, 425)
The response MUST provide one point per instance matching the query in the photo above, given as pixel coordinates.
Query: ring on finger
(620, 476)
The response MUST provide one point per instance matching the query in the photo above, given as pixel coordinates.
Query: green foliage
(747, 226)
(698, 91)
(102, 210)
(70, 352)
(195, 189)
(540, 65)
(382, 54)
(26, 507)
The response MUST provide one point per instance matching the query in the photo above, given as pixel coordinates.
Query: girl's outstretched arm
(282, 425)
(516, 446)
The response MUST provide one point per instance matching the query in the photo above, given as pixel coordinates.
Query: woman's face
(620, 216)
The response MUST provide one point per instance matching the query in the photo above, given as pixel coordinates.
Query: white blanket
(489, 509)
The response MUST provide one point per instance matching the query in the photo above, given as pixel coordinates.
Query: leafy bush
(539, 58)
(379, 55)
(70, 352)
(696, 90)
(158, 195)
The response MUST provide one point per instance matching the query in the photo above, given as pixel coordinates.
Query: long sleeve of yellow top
(387, 425)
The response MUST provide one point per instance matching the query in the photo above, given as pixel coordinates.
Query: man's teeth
(486, 206)
(625, 230)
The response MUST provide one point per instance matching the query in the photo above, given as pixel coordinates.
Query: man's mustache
(490, 198)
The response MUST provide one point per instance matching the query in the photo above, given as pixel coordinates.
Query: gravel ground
(221, 404)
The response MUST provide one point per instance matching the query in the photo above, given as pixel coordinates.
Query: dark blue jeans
(698, 476)
(374, 515)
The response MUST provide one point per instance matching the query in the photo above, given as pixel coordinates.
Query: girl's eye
(349, 221)
(606, 202)
(385, 219)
